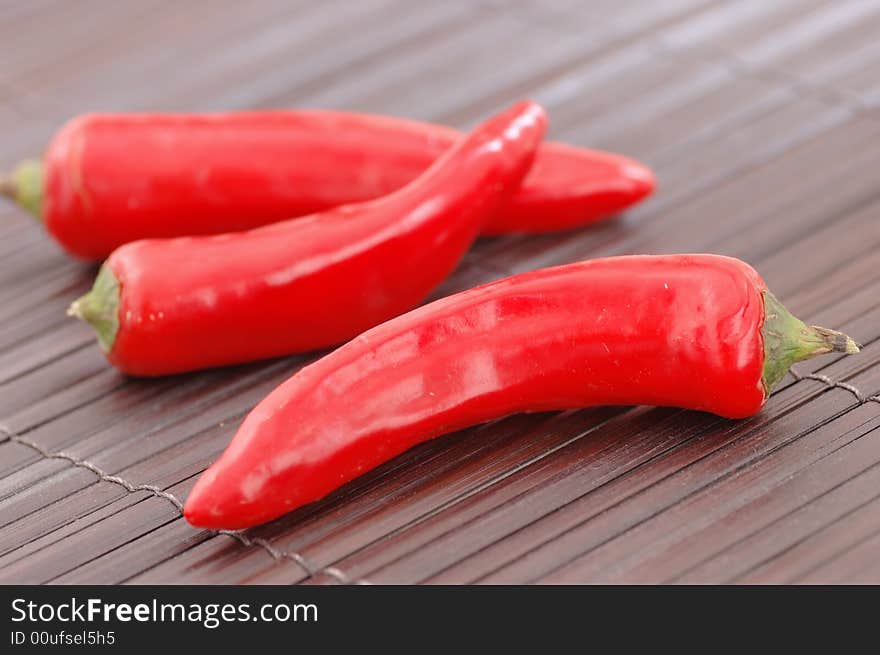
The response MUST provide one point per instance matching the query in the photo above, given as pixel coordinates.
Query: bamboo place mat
(761, 120)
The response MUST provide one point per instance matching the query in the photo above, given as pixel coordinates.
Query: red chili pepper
(166, 306)
(693, 331)
(110, 179)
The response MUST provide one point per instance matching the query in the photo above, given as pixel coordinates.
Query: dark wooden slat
(847, 453)
(854, 497)
(864, 81)
(80, 24)
(165, 542)
(856, 233)
(91, 74)
(55, 285)
(355, 52)
(457, 106)
(802, 31)
(823, 545)
(735, 23)
(32, 353)
(202, 65)
(59, 375)
(42, 566)
(830, 55)
(858, 564)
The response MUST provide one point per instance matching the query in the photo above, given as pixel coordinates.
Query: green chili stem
(788, 340)
(100, 308)
(25, 186)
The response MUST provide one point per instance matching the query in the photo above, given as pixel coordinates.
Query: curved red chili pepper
(115, 178)
(692, 331)
(165, 306)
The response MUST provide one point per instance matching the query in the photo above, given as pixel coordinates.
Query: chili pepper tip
(642, 178)
(838, 341)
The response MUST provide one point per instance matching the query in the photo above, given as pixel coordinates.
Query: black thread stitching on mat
(309, 567)
(833, 384)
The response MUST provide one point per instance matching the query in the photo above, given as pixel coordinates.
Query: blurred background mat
(761, 120)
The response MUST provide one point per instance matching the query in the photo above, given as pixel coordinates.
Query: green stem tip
(100, 308)
(787, 340)
(25, 186)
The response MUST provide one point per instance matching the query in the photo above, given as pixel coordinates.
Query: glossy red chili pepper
(110, 179)
(165, 306)
(693, 331)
